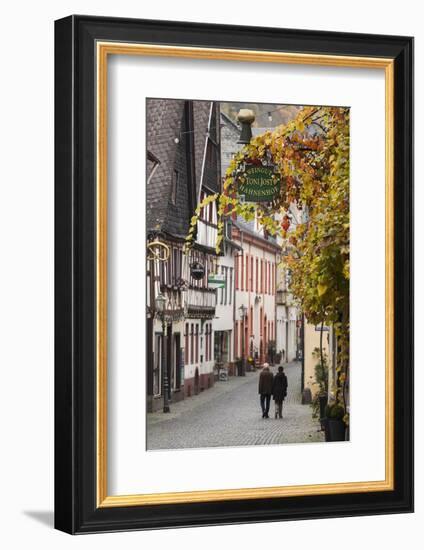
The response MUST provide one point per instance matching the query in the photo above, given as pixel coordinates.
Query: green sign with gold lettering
(259, 184)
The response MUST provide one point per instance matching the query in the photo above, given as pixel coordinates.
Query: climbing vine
(310, 213)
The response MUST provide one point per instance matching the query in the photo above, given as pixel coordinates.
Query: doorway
(196, 382)
(176, 362)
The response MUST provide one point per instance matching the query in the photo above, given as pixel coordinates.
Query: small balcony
(207, 233)
(200, 303)
(174, 306)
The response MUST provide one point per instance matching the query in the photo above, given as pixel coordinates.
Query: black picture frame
(76, 510)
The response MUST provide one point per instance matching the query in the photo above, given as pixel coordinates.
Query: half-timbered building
(183, 166)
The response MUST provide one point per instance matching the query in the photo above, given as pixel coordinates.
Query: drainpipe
(202, 173)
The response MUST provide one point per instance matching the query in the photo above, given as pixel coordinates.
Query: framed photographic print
(234, 269)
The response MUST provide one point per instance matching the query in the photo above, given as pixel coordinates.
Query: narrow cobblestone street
(229, 415)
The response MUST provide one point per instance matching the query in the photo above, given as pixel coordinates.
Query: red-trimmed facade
(255, 276)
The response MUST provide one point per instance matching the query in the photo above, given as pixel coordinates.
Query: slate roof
(206, 115)
(164, 124)
(168, 119)
(230, 122)
(249, 227)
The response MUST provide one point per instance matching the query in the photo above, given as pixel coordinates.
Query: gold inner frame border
(103, 50)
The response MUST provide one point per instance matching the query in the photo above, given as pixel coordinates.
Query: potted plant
(319, 402)
(335, 427)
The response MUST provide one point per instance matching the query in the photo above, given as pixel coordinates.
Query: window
(272, 278)
(265, 277)
(251, 320)
(242, 272)
(186, 351)
(230, 288)
(251, 273)
(236, 331)
(206, 212)
(247, 272)
(190, 260)
(174, 187)
(262, 276)
(177, 360)
(197, 343)
(268, 277)
(256, 277)
(236, 274)
(224, 273)
(177, 261)
(191, 343)
(210, 214)
(206, 343)
(157, 365)
(271, 269)
(261, 321)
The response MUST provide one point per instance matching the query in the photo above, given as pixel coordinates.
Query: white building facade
(255, 289)
(223, 323)
(287, 318)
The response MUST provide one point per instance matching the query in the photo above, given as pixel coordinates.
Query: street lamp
(243, 313)
(160, 302)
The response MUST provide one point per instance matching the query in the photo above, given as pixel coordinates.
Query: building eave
(257, 238)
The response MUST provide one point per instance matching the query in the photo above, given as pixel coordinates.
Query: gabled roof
(249, 228)
(164, 123)
(177, 137)
(230, 122)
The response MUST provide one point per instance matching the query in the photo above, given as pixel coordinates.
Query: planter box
(336, 430)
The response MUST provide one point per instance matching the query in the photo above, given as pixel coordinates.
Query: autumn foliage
(310, 156)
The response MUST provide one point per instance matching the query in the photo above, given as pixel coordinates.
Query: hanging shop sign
(259, 184)
(216, 281)
(197, 270)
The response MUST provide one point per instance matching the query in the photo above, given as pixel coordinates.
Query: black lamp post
(160, 303)
(243, 313)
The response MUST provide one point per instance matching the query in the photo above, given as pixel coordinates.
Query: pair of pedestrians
(275, 386)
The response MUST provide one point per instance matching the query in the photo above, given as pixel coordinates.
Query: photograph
(233, 273)
(247, 279)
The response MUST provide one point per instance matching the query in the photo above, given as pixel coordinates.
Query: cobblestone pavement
(229, 414)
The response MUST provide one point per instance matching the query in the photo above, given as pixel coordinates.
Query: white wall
(224, 312)
(247, 297)
(281, 333)
(26, 218)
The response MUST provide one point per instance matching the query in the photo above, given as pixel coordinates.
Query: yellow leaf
(322, 289)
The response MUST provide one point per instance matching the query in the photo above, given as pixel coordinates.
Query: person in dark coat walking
(265, 389)
(279, 391)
